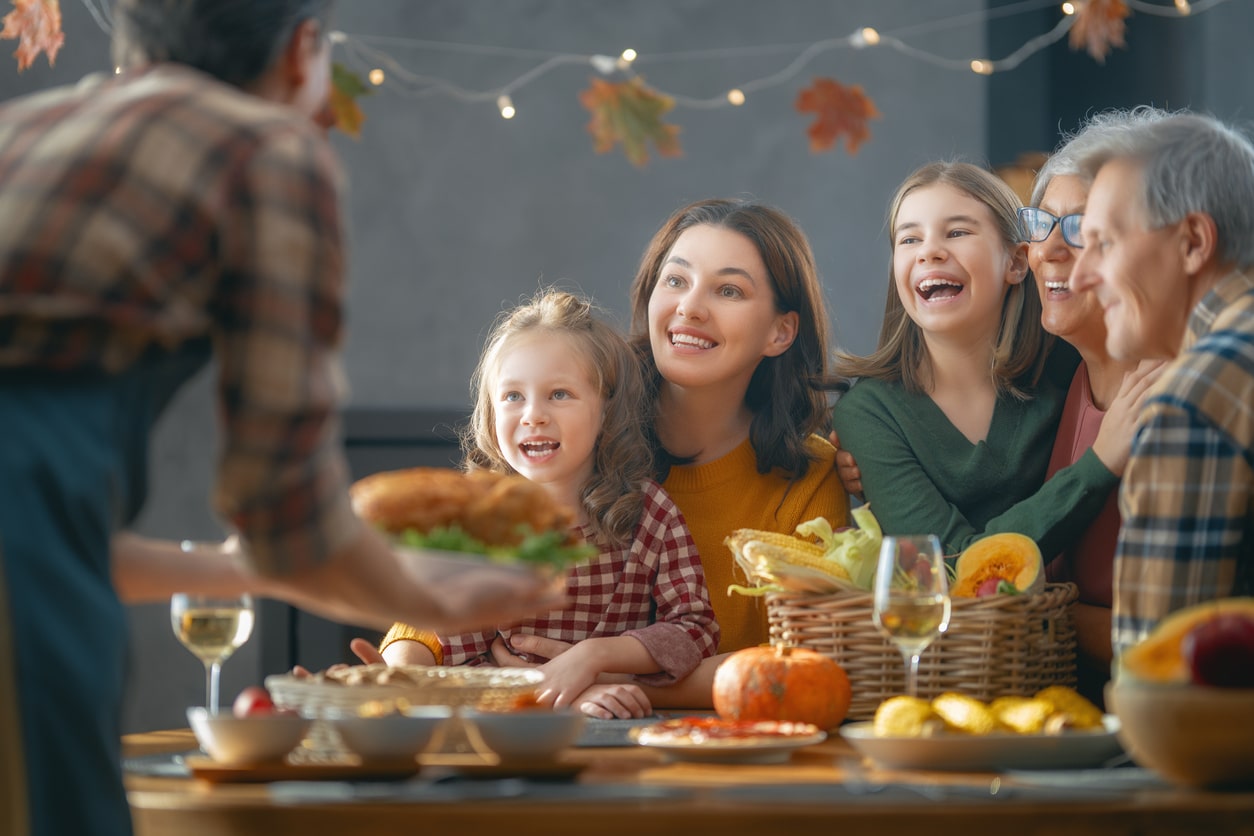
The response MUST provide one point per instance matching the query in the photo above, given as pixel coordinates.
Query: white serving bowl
(391, 737)
(527, 734)
(1193, 735)
(241, 741)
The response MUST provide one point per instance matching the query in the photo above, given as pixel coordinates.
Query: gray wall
(456, 213)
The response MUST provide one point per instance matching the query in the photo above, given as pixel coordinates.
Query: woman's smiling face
(951, 267)
(712, 313)
(1066, 312)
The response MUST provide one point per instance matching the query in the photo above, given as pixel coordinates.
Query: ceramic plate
(989, 753)
(775, 747)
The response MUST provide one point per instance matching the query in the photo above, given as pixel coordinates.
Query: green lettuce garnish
(548, 548)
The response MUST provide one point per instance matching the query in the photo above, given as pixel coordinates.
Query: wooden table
(823, 789)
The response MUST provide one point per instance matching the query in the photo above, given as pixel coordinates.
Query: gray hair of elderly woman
(1065, 161)
(236, 41)
(1189, 163)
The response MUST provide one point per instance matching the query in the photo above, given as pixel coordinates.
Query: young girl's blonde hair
(1022, 343)
(613, 497)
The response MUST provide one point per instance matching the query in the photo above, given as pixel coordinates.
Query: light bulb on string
(866, 36)
(506, 105)
(376, 76)
(736, 96)
(1183, 7)
(982, 67)
(625, 60)
(1068, 8)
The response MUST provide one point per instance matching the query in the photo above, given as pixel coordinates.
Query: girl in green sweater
(954, 416)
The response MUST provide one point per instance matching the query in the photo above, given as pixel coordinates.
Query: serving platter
(709, 740)
(991, 752)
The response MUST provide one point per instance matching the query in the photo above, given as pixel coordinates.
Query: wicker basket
(995, 646)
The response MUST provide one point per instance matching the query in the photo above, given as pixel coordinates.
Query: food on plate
(906, 717)
(965, 714)
(817, 558)
(1220, 652)
(716, 731)
(1161, 656)
(999, 564)
(782, 683)
(255, 701)
(507, 518)
(1050, 711)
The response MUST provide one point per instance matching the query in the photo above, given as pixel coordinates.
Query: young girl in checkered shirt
(558, 399)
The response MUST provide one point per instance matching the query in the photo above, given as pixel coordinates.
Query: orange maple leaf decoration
(839, 110)
(346, 88)
(1099, 25)
(37, 26)
(630, 113)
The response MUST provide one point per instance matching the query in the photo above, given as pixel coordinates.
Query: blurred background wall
(456, 213)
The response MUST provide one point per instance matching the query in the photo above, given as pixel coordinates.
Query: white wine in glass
(212, 628)
(911, 599)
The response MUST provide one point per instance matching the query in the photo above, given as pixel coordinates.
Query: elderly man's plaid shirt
(1187, 497)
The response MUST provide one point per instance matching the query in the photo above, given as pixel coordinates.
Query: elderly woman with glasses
(1051, 225)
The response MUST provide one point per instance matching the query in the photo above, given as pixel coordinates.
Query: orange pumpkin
(782, 683)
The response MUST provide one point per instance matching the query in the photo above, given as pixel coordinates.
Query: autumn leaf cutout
(346, 88)
(1099, 25)
(630, 113)
(838, 111)
(36, 25)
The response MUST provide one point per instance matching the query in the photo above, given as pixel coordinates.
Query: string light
(360, 50)
(866, 36)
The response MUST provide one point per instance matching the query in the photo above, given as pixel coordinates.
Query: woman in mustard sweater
(728, 314)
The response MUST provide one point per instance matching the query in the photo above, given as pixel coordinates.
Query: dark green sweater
(921, 475)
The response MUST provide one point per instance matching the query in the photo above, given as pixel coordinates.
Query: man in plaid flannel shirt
(188, 206)
(1169, 250)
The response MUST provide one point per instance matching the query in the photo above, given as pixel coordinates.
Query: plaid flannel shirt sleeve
(684, 630)
(1186, 498)
(282, 476)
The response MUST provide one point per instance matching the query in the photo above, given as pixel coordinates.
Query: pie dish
(712, 739)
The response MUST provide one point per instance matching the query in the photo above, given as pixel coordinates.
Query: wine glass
(212, 628)
(911, 600)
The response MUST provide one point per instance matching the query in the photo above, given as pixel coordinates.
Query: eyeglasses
(1038, 224)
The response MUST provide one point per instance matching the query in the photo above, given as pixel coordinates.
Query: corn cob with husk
(834, 561)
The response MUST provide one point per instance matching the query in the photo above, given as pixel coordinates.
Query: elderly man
(1169, 250)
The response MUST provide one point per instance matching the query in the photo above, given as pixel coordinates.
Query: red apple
(1220, 652)
(253, 700)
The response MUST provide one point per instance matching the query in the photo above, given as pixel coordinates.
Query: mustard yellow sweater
(718, 497)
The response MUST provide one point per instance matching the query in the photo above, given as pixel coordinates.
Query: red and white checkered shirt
(653, 590)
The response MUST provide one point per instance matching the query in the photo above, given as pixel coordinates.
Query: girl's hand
(366, 652)
(523, 647)
(614, 701)
(847, 467)
(568, 675)
(1113, 444)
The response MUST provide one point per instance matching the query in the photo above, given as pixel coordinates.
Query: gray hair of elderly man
(1065, 161)
(1189, 163)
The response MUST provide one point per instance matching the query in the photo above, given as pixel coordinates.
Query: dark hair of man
(235, 41)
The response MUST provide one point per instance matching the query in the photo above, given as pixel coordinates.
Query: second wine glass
(911, 597)
(212, 628)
